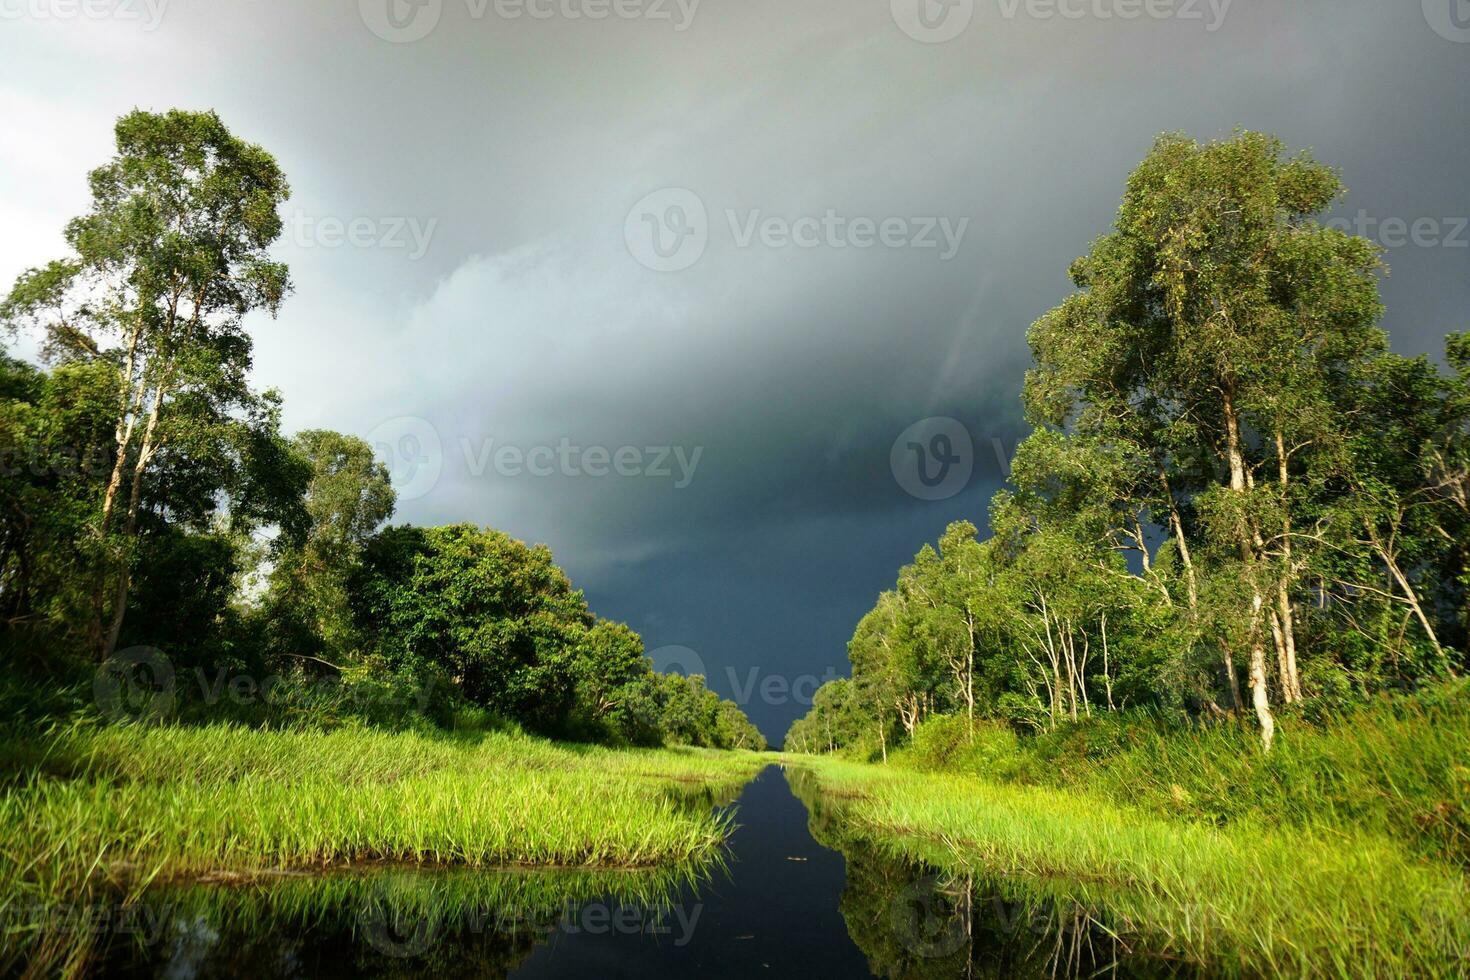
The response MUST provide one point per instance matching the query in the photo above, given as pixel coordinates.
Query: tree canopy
(1235, 497)
(151, 498)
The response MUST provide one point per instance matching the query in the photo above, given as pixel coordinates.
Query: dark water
(794, 900)
(774, 914)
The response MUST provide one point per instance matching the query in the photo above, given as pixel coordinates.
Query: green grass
(1397, 767)
(351, 756)
(117, 809)
(1245, 899)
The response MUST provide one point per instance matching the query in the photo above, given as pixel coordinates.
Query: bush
(949, 743)
(1076, 746)
(368, 694)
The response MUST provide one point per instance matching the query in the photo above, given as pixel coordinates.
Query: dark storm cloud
(519, 146)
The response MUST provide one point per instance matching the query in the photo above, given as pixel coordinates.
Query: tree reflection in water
(377, 923)
(914, 921)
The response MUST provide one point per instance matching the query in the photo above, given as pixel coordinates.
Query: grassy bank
(1340, 854)
(114, 809)
(1244, 899)
(1398, 767)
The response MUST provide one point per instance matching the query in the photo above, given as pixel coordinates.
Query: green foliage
(695, 715)
(835, 722)
(733, 730)
(54, 431)
(640, 717)
(148, 497)
(181, 599)
(1236, 497)
(306, 611)
(1395, 767)
(610, 669)
(495, 614)
(171, 257)
(500, 619)
(951, 744)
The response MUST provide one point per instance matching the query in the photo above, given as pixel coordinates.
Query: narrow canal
(785, 904)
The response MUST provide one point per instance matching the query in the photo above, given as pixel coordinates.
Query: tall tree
(495, 614)
(164, 268)
(1229, 467)
(348, 497)
(1211, 324)
(878, 684)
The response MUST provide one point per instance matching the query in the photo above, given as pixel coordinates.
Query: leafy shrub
(369, 694)
(949, 743)
(1074, 746)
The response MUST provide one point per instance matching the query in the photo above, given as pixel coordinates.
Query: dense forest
(150, 500)
(1236, 501)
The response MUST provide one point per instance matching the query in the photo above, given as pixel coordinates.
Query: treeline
(1235, 496)
(148, 497)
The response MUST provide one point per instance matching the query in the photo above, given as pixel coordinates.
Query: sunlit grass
(1243, 899)
(1398, 767)
(121, 808)
(354, 755)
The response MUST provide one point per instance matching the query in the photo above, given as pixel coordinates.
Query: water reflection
(914, 921)
(796, 897)
(380, 923)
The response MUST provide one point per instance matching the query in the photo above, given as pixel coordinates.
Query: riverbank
(92, 810)
(1241, 899)
(1395, 766)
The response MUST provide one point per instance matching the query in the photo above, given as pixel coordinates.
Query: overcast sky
(663, 287)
